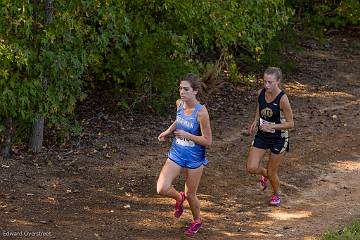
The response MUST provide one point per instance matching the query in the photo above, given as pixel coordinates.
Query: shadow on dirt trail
(103, 186)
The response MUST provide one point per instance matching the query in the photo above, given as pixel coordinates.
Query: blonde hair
(274, 71)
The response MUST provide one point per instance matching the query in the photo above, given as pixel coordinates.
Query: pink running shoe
(179, 205)
(193, 227)
(275, 200)
(264, 182)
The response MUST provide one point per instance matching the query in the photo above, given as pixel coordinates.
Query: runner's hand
(267, 127)
(181, 134)
(162, 136)
(252, 127)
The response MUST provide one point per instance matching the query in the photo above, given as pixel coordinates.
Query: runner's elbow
(207, 142)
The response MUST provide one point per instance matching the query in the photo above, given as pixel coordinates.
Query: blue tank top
(185, 149)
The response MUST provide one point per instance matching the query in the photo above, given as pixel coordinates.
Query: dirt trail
(104, 186)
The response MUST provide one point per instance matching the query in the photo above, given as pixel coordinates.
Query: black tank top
(271, 113)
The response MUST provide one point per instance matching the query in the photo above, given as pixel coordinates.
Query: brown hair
(274, 71)
(196, 84)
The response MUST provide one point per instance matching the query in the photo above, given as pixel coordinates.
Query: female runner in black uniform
(273, 118)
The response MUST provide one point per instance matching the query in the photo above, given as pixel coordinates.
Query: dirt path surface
(103, 185)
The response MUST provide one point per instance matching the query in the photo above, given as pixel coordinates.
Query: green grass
(351, 232)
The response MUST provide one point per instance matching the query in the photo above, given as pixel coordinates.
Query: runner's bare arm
(255, 123)
(172, 127)
(286, 108)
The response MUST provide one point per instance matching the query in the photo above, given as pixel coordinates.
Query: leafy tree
(42, 64)
(138, 48)
(169, 37)
(328, 12)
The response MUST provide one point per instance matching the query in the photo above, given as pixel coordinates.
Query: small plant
(351, 232)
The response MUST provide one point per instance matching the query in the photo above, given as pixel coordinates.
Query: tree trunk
(6, 144)
(37, 134)
(48, 11)
(300, 9)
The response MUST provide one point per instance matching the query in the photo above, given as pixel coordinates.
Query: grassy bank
(351, 232)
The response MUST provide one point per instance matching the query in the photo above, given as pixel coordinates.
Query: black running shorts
(276, 145)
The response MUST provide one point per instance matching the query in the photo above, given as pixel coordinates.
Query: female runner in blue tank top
(273, 118)
(192, 134)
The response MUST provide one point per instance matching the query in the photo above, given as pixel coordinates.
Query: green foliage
(19, 94)
(137, 48)
(167, 38)
(328, 13)
(60, 134)
(37, 78)
(351, 232)
(350, 11)
(41, 65)
(279, 50)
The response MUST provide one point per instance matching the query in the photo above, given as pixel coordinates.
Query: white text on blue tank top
(183, 122)
(183, 141)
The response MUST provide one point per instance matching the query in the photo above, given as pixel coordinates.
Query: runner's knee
(272, 174)
(190, 195)
(251, 169)
(162, 189)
